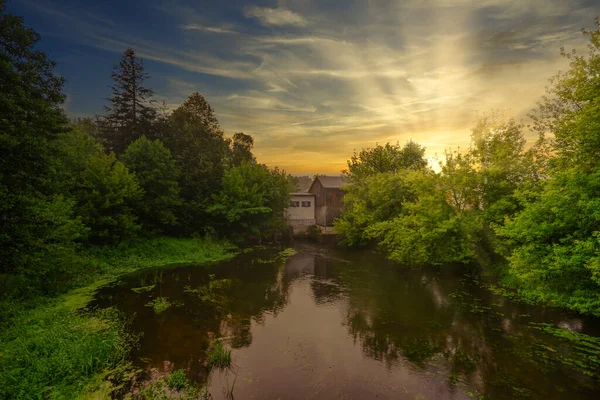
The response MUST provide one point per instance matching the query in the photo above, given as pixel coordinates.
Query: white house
(301, 212)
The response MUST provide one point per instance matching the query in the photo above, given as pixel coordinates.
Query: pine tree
(130, 114)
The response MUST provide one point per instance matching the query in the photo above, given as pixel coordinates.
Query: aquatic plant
(177, 380)
(159, 305)
(584, 349)
(287, 253)
(143, 289)
(175, 385)
(158, 277)
(218, 356)
(213, 292)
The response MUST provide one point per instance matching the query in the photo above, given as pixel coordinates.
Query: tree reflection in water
(329, 323)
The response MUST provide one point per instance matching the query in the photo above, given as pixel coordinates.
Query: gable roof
(330, 182)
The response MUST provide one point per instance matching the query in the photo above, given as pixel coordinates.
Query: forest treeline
(134, 171)
(539, 206)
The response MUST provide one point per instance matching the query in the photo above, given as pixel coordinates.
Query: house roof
(302, 194)
(330, 182)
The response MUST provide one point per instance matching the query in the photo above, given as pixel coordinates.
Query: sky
(314, 80)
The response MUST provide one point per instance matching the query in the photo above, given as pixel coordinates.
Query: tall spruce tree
(130, 113)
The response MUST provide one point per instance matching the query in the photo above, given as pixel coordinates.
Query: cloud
(370, 72)
(275, 16)
(211, 29)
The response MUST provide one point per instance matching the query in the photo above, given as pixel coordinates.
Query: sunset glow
(313, 81)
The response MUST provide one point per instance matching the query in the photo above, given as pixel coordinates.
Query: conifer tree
(130, 113)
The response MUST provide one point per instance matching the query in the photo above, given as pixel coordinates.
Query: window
(294, 204)
(306, 204)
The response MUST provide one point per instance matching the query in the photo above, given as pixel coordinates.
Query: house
(329, 198)
(301, 212)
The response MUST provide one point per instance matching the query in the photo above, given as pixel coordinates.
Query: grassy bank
(49, 350)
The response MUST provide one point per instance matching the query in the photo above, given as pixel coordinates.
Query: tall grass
(218, 356)
(48, 349)
(130, 256)
(52, 352)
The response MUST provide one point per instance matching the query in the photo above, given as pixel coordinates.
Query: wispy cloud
(275, 16)
(211, 29)
(328, 81)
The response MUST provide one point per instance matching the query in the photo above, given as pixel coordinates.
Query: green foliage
(103, 189)
(252, 200)
(129, 256)
(177, 380)
(50, 349)
(568, 118)
(417, 216)
(51, 352)
(388, 158)
(218, 356)
(157, 175)
(426, 229)
(159, 305)
(175, 385)
(553, 244)
(378, 198)
(38, 224)
(195, 139)
(498, 154)
(241, 149)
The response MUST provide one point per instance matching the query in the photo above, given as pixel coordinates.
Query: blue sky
(314, 80)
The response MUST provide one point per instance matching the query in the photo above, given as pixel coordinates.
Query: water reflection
(332, 324)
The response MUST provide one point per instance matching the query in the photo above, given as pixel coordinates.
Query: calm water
(328, 324)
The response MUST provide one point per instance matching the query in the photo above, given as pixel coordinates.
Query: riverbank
(48, 349)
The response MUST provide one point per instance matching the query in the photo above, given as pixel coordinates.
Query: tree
(503, 166)
(568, 118)
(460, 181)
(427, 230)
(103, 190)
(36, 221)
(380, 197)
(130, 114)
(388, 158)
(553, 245)
(241, 149)
(252, 201)
(157, 175)
(196, 141)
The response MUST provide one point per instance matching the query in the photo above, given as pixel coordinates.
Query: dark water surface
(329, 324)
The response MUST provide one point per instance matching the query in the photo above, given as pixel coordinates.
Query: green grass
(218, 356)
(115, 260)
(49, 349)
(52, 351)
(177, 380)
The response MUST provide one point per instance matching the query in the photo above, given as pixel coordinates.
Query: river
(326, 323)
